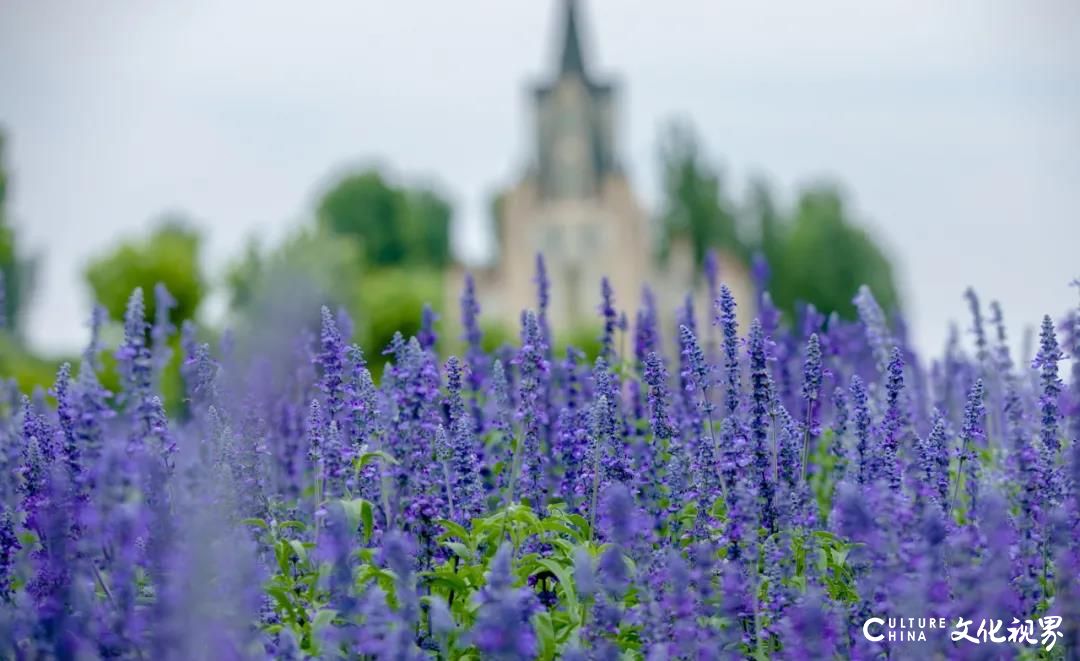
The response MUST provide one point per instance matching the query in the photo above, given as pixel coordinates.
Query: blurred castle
(576, 206)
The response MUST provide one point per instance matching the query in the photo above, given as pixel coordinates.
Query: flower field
(699, 491)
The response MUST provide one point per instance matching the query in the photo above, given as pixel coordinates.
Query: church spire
(573, 60)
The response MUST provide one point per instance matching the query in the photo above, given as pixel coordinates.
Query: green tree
(695, 205)
(823, 257)
(170, 255)
(16, 271)
(393, 225)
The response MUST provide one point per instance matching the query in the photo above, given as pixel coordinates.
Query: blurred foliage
(392, 300)
(275, 293)
(169, 255)
(585, 339)
(695, 205)
(822, 258)
(394, 225)
(16, 270)
(272, 292)
(28, 371)
(816, 252)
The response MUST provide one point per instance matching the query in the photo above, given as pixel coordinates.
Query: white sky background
(955, 126)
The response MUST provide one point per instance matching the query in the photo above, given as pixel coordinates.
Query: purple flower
(502, 629)
(972, 438)
(331, 359)
(610, 317)
(646, 328)
(135, 361)
(861, 402)
(761, 400)
(473, 336)
(1046, 361)
(532, 410)
(543, 297)
(977, 328)
(427, 335)
(657, 379)
(878, 337)
(729, 325)
(893, 425)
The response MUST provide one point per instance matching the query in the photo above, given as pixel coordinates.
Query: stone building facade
(577, 207)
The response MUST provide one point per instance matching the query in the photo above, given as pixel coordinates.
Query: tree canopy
(16, 270)
(817, 253)
(695, 204)
(393, 224)
(169, 255)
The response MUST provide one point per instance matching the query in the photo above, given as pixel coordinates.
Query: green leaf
(368, 457)
(298, 548)
(565, 582)
(295, 525)
(258, 523)
(454, 529)
(545, 633)
(323, 618)
(367, 517)
(461, 551)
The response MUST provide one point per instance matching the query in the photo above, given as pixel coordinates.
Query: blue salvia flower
(473, 336)
(977, 327)
(711, 267)
(163, 329)
(760, 272)
(463, 461)
(769, 315)
(618, 515)
(610, 317)
(9, 547)
(893, 425)
(1046, 361)
(532, 412)
(1003, 364)
(1029, 474)
(427, 335)
(694, 369)
(99, 316)
(712, 272)
(34, 484)
(361, 400)
(543, 297)
(657, 379)
(934, 459)
(811, 391)
(761, 399)
(133, 356)
(972, 438)
(1076, 381)
(729, 326)
(502, 418)
(502, 630)
(861, 401)
(331, 359)
(398, 553)
(646, 328)
(878, 337)
(68, 414)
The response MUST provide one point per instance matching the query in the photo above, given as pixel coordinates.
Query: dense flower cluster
(715, 492)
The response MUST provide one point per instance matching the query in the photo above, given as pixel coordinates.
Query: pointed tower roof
(572, 60)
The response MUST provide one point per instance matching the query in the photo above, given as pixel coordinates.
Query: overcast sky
(955, 126)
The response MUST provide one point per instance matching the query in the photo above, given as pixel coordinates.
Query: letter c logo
(866, 629)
